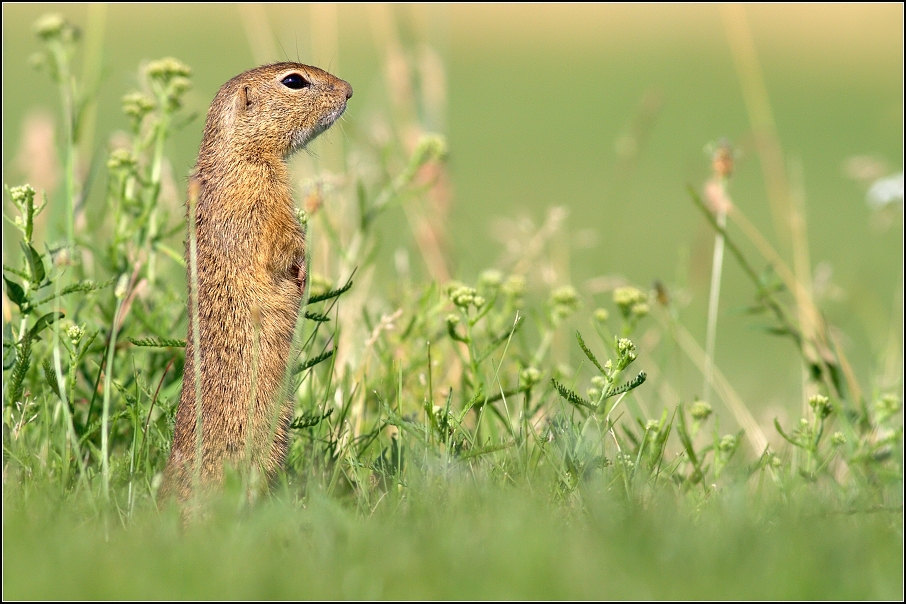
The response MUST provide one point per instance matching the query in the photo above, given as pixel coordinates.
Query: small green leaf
(51, 377)
(159, 342)
(792, 441)
(16, 294)
(316, 316)
(630, 385)
(44, 322)
(331, 294)
(486, 450)
(16, 272)
(35, 263)
(589, 354)
(309, 420)
(571, 396)
(309, 363)
(16, 384)
(81, 286)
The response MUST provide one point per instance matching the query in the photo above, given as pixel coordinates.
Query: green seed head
(490, 279)
(463, 297)
(122, 285)
(888, 406)
(564, 302)
(137, 105)
(164, 70)
(625, 345)
(75, 333)
(565, 296)
(627, 297)
(22, 195)
(514, 286)
(640, 310)
(627, 352)
(838, 439)
(529, 376)
(700, 410)
(821, 405)
(55, 27)
(728, 442)
(601, 315)
(121, 160)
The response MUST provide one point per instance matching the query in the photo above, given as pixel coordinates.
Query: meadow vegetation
(439, 450)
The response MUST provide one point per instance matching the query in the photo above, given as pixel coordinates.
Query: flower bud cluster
(821, 405)
(626, 351)
(887, 406)
(728, 442)
(75, 334)
(169, 78)
(490, 280)
(54, 27)
(136, 106)
(700, 410)
(464, 296)
(514, 286)
(528, 377)
(601, 315)
(564, 301)
(122, 160)
(632, 302)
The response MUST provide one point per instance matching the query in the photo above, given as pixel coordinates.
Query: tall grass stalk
(122, 287)
(717, 262)
(72, 439)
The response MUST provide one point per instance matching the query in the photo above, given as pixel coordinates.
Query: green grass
(461, 541)
(504, 436)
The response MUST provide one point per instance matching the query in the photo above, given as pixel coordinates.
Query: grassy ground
(504, 436)
(461, 542)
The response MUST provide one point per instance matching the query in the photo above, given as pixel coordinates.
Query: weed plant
(440, 447)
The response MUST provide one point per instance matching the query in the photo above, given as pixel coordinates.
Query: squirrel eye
(295, 81)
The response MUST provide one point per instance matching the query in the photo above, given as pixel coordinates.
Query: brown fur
(250, 272)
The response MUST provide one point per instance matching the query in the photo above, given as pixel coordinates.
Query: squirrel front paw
(301, 277)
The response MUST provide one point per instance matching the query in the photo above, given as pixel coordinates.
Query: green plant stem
(156, 170)
(67, 97)
(769, 299)
(72, 438)
(713, 303)
(105, 413)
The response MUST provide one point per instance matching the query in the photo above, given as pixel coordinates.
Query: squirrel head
(272, 111)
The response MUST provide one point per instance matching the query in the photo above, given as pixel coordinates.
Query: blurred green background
(604, 110)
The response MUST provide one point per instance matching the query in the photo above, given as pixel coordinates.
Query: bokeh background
(602, 110)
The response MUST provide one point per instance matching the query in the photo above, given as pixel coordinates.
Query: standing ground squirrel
(250, 259)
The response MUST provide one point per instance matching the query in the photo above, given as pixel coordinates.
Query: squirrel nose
(348, 92)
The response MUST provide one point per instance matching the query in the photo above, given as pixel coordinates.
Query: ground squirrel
(250, 258)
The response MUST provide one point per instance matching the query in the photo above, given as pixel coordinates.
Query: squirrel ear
(245, 94)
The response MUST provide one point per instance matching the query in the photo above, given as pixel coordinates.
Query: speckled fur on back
(250, 272)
